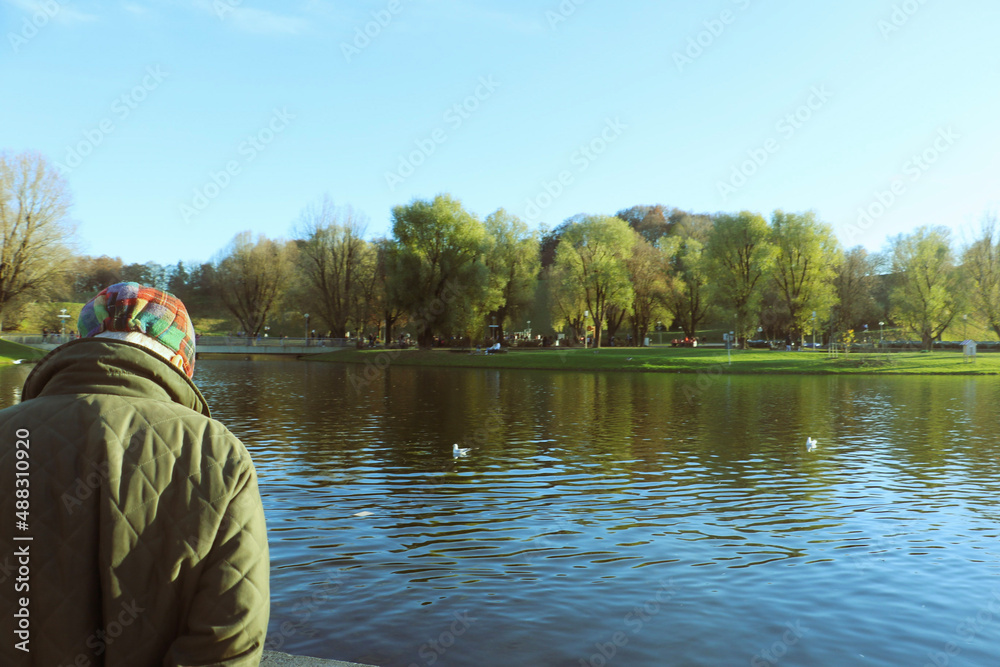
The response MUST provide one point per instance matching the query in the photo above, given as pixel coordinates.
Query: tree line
(444, 272)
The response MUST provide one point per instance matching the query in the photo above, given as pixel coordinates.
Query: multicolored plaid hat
(126, 307)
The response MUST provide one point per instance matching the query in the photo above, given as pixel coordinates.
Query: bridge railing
(202, 341)
(229, 341)
(39, 339)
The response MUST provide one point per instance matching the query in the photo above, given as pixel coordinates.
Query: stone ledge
(275, 659)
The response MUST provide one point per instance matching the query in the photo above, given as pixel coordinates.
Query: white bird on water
(810, 443)
(459, 451)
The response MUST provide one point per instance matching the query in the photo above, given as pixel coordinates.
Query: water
(622, 519)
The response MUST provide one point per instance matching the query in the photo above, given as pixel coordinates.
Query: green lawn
(684, 360)
(10, 352)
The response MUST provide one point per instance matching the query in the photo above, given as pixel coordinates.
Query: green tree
(929, 294)
(982, 263)
(740, 256)
(332, 261)
(855, 282)
(250, 277)
(805, 262)
(148, 273)
(647, 267)
(687, 300)
(385, 303)
(436, 268)
(594, 253)
(513, 261)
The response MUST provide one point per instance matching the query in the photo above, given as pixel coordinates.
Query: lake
(619, 518)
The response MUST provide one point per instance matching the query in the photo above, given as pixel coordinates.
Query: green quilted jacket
(147, 540)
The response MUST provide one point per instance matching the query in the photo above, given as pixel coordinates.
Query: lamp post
(965, 326)
(529, 329)
(307, 329)
(62, 321)
(880, 341)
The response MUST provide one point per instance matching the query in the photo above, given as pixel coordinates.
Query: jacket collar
(108, 366)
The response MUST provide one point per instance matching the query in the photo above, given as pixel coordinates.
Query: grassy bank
(10, 352)
(683, 360)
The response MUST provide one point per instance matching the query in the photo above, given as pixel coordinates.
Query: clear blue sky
(142, 102)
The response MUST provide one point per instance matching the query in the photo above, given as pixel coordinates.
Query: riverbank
(12, 352)
(682, 360)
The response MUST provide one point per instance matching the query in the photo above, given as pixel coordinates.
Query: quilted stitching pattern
(149, 541)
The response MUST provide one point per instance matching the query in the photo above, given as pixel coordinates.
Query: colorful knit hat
(125, 307)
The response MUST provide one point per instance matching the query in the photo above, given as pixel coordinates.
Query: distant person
(147, 539)
(788, 342)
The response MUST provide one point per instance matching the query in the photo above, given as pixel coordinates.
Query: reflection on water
(634, 519)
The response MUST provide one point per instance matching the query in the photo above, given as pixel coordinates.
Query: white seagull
(459, 451)
(810, 444)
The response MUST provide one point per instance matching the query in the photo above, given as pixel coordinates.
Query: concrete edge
(275, 659)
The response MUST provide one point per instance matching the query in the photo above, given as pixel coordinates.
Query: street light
(880, 333)
(62, 320)
(307, 329)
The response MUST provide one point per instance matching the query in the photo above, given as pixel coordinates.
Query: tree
(855, 282)
(982, 262)
(593, 253)
(513, 262)
(650, 222)
(436, 264)
(331, 252)
(740, 257)
(805, 261)
(647, 267)
(566, 299)
(149, 273)
(94, 274)
(384, 301)
(249, 277)
(928, 295)
(366, 310)
(34, 229)
(687, 299)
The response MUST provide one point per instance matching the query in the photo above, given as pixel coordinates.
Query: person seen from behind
(131, 519)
